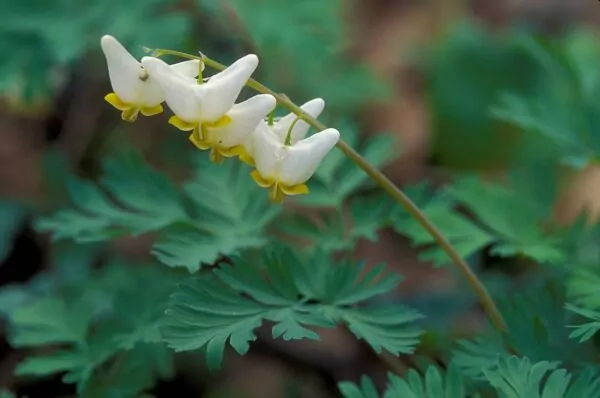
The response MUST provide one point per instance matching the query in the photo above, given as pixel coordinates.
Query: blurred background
(424, 72)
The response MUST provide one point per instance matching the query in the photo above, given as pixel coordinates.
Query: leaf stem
(487, 302)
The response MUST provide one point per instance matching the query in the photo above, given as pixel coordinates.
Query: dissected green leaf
(366, 389)
(229, 304)
(220, 212)
(340, 230)
(152, 203)
(466, 237)
(434, 383)
(449, 384)
(563, 113)
(474, 356)
(583, 287)
(586, 384)
(515, 377)
(511, 218)
(230, 214)
(585, 331)
(50, 321)
(537, 321)
(116, 312)
(132, 373)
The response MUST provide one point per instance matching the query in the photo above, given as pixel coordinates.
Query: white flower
(134, 90)
(209, 109)
(281, 128)
(284, 169)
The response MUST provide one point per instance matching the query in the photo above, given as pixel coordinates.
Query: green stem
(485, 299)
(288, 137)
(200, 78)
(271, 119)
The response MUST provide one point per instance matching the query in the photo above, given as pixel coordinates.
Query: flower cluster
(283, 159)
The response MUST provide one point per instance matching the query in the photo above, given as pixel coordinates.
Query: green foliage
(511, 218)
(296, 294)
(366, 389)
(466, 71)
(293, 58)
(110, 327)
(153, 201)
(537, 321)
(220, 211)
(42, 37)
(585, 331)
(439, 207)
(515, 377)
(6, 394)
(510, 223)
(232, 214)
(340, 230)
(434, 383)
(93, 340)
(509, 377)
(563, 113)
(582, 288)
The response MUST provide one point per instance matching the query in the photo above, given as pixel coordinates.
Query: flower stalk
(385, 183)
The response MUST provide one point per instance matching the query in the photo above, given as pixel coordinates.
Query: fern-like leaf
(585, 331)
(229, 304)
(515, 377)
(219, 213)
(433, 384)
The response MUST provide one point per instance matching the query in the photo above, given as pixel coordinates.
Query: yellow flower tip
(292, 190)
(182, 124)
(243, 155)
(277, 191)
(130, 115)
(197, 140)
(276, 195)
(151, 110)
(220, 122)
(260, 181)
(216, 156)
(247, 159)
(116, 102)
(228, 152)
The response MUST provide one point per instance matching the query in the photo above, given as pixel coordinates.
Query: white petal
(223, 88)
(303, 158)
(181, 96)
(268, 152)
(245, 117)
(123, 69)
(313, 108)
(150, 93)
(189, 68)
(248, 143)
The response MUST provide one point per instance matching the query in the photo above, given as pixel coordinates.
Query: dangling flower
(135, 91)
(208, 109)
(284, 167)
(281, 129)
